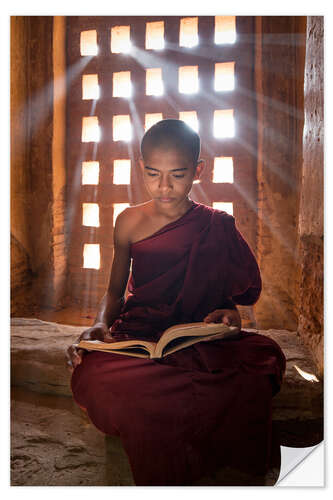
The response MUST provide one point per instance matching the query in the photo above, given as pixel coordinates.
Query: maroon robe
(208, 405)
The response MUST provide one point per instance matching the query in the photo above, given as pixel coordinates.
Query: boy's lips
(165, 199)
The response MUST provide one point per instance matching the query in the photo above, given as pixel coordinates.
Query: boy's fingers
(74, 356)
(70, 367)
(86, 335)
(212, 317)
(221, 316)
(209, 318)
(78, 354)
(226, 320)
(217, 316)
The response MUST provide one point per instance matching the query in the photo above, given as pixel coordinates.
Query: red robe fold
(207, 405)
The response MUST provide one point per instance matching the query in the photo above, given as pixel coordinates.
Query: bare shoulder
(130, 219)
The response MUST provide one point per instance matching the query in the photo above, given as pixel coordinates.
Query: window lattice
(133, 72)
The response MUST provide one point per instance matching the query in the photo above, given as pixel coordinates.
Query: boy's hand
(230, 317)
(75, 355)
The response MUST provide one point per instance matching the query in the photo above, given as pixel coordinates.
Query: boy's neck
(174, 211)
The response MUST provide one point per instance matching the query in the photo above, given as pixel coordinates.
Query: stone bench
(38, 364)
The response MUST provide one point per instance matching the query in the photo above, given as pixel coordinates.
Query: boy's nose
(165, 182)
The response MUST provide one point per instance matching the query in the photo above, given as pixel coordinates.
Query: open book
(173, 339)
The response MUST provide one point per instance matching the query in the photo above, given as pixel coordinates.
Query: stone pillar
(59, 257)
(311, 223)
(37, 162)
(22, 299)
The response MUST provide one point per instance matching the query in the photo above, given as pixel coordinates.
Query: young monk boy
(208, 405)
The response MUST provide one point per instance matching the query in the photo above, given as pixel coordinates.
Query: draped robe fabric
(205, 406)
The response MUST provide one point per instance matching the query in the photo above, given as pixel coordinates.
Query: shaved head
(171, 134)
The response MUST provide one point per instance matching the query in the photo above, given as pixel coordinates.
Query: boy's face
(169, 174)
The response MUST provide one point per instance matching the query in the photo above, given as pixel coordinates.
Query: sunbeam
(41, 104)
(138, 126)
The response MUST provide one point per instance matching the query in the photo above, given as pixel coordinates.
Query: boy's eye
(177, 176)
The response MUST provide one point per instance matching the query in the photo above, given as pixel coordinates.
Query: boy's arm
(113, 299)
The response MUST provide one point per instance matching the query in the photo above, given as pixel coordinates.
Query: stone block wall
(279, 73)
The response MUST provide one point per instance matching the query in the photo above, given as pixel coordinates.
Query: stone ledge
(298, 407)
(38, 363)
(53, 443)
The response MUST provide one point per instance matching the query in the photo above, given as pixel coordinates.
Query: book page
(193, 329)
(137, 352)
(97, 345)
(188, 340)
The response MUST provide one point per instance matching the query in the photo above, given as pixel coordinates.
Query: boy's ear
(141, 163)
(199, 168)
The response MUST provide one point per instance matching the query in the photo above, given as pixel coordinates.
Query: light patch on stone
(306, 375)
